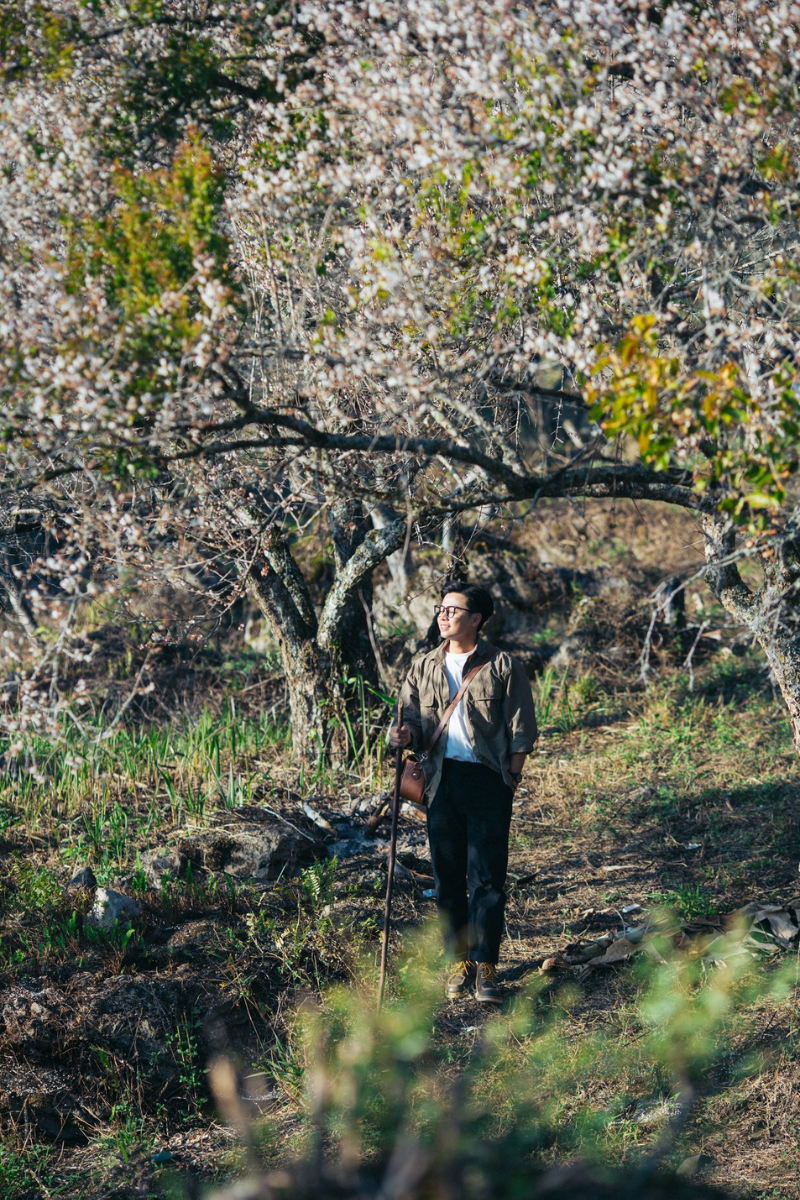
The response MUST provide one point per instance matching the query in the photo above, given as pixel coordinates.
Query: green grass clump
(105, 791)
(20, 1168)
(529, 1091)
(690, 901)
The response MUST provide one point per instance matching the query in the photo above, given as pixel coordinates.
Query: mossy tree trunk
(771, 613)
(320, 652)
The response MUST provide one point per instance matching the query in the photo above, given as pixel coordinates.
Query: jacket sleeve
(520, 713)
(409, 694)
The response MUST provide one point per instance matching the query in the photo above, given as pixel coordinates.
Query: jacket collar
(483, 647)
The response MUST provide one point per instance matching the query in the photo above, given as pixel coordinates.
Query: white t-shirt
(458, 744)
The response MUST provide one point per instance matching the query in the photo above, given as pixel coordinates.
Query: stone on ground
(111, 907)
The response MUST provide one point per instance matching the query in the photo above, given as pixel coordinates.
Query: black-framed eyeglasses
(448, 610)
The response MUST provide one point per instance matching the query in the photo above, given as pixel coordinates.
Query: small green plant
(116, 836)
(119, 938)
(195, 802)
(545, 686)
(129, 1132)
(565, 717)
(318, 880)
(585, 689)
(183, 1044)
(361, 715)
(688, 900)
(552, 700)
(292, 942)
(260, 931)
(20, 1166)
(36, 888)
(139, 884)
(287, 1068)
(532, 1091)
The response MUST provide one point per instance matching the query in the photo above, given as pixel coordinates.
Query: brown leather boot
(487, 989)
(462, 978)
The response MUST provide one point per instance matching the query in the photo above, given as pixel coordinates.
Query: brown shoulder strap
(454, 703)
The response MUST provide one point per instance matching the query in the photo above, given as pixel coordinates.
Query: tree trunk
(311, 649)
(771, 613)
(306, 668)
(351, 644)
(783, 655)
(20, 607)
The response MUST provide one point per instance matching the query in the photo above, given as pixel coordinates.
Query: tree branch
(283, 585)
(527, 388)
(274, 600)
(282, 561)
(723, 574)
(607, 481)
(377, 545)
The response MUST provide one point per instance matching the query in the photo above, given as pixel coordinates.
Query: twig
(372, 641)
(286, 821)
(650, 1164)
(387, 912)
(317, 818)
(690, 655)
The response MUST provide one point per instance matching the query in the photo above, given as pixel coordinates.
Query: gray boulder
(690, 1168)
(111, 907)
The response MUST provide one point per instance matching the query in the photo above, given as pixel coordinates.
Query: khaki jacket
(498, 710)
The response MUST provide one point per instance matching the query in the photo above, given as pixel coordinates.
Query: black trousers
(468, 825)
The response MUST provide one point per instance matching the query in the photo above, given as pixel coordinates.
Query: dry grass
(625, 781)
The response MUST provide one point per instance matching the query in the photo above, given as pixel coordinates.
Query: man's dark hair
(477, 597)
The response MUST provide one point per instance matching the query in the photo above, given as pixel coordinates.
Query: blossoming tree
(269, 268)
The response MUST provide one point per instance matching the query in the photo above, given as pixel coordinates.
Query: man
(471, 777)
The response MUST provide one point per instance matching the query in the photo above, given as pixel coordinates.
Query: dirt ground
(684, 793)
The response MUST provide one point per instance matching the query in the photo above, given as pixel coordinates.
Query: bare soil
(686, 790)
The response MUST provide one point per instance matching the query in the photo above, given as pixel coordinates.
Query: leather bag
(412, 781)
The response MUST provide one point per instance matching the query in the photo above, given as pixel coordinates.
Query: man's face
(454, 619)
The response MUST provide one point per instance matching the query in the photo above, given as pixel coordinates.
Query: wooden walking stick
(387, 912)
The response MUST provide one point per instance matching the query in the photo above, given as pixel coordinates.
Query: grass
(100, 790)
(539, 1080)
(623, 783)
(18, 1167)
(690, 901)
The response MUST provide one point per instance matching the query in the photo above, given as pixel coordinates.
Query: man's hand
(399, 737)
(515, 766)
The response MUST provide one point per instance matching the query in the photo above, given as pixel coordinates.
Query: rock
(158, 864)
(571, 649)
(256, 846)
(29, 1016)
(193, 936)
(80, 983)
(134, 1018)
(265, 852)
(111, 907)
(85, 878)
(209, 851)
(691, 1167)
(62, 1049)
(46, 1099)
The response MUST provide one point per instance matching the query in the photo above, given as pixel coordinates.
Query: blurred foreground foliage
(395, 1105)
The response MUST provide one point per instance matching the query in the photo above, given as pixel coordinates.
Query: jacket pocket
(486, 708)
(429, 719)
